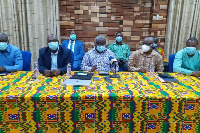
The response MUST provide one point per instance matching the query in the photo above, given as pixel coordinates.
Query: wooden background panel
(136, 19)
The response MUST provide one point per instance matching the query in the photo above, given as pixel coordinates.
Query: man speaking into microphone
(99, 58)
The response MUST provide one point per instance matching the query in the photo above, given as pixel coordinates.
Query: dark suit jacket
(44, 60)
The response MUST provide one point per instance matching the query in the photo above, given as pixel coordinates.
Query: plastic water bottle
(69, 70)
(36, 71)
(152, 70)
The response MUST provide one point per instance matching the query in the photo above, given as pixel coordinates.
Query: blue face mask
(190, 50)
(118, 39)
(155, 45)
(73, 37)
(53, 45)
(101, 48)
(3, 46)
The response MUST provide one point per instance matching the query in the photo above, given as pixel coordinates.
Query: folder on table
(166, 78)
(82, 76)
(3, 73)
(76, 82)
(79, 79)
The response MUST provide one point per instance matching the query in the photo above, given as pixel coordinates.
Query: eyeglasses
(147, 44)
(52, 41)
(100, 43)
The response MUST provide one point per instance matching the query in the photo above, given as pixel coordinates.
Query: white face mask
(145, 48)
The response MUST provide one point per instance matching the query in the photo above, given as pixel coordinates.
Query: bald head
(52, 38)
(3, 37)
(100, 40)
(192, 42)
(148, 41)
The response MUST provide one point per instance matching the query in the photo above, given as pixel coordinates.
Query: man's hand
(93, 68)
(2, 69)
(143, 70)
(119, 62)
(48, 73)
(56, 72)
(124, 61)
(196, 74)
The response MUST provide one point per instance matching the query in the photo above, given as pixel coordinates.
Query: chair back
(26, 55)
(171, 61)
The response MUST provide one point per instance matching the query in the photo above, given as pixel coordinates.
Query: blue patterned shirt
(101, 60)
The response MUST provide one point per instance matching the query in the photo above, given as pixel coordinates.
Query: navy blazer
(44, 60)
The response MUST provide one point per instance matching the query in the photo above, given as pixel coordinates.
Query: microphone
(112, 60)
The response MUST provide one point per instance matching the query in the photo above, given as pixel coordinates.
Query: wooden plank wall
(135, 18)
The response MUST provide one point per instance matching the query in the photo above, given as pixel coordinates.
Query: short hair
(4, 35)
(71, 31)
(52, 35)
(99, 38)
(155, 39)
(192, 39)
(118, 33)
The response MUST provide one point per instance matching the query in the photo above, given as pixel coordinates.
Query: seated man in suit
(10, 56)
(121, 50)
(53, 59)
(98, 58)
(77, 50)
(187, 60)
(143, 59)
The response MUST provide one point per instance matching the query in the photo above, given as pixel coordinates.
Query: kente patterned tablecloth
(134, 103)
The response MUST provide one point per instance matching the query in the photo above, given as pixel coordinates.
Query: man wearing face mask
(10, 56)
(121, 51)
(53, 59)
(141, 60)
(187, 60)
(77, 50)
(97, 59)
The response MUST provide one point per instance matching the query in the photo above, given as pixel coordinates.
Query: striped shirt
(139, 60)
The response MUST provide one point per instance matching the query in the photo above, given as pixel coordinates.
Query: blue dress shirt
(11, 59)
(54, 58)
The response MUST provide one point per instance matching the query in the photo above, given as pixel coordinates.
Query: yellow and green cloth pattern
(134, 103)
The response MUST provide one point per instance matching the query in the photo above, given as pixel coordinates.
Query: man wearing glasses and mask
(10, 56)
(142, 60)
(53, 59)
(98, 58)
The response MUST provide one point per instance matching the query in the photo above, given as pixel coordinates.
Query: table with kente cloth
(134, 103)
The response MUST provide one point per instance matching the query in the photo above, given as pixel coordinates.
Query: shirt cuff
(10, 68)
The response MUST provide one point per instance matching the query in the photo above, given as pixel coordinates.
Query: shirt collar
(71, 40)
(118, 45)
(99, 52)
(8, 49)
(153, 53)
(56, 52)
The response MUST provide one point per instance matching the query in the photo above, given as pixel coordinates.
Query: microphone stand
(115, 75)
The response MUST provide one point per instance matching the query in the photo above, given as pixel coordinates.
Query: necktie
(71, 45)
